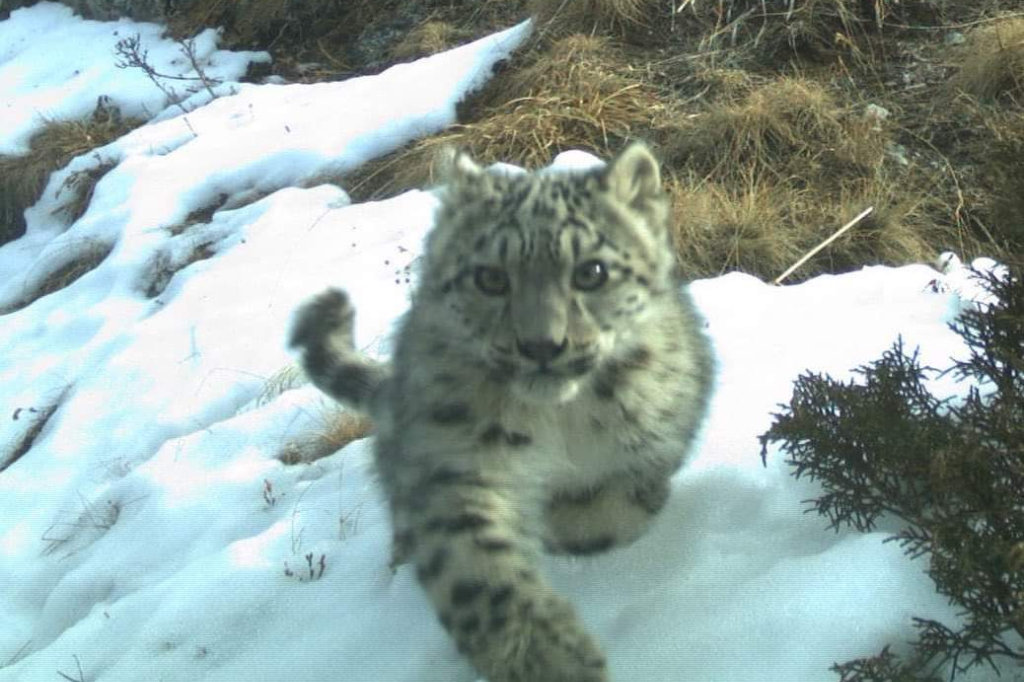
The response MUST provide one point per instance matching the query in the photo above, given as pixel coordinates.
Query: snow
(54, 66)
(152, 532)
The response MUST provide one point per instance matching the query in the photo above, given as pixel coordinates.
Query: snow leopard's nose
(542, 351)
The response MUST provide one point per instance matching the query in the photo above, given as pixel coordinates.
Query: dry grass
(162, 268)
(307, 39)
(764, 227)
(762, 34)
(88, 258)
(575, 95)
(318, 40)
(23, 178)
(997, 187)
(36, 420)
(762, 171)
(758, 112)
(339, 429)
(771, 172)
(79, 187)
(593, 17)
(253, 22)
(428, 38)
(783, 128)
(1006, 176)
(993, 61)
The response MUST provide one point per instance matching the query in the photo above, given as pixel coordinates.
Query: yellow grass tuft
(23, 178)
(574, 95)
(773, 171)
(765, 227)
(615, 17)
(1000, 178)
(787, 127)
(339, 429)
(992, 63)
(772, 33)
(428, 38)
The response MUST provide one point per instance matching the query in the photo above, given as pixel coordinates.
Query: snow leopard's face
(544, 275)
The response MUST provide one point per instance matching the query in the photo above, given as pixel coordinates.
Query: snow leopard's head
(548, 275)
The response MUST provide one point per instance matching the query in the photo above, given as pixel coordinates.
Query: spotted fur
(547, 381)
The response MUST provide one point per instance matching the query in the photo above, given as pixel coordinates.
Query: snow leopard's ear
(633, 177)
(463, 178)
(456, 165)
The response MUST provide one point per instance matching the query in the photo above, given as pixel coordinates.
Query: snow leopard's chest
(582, 441)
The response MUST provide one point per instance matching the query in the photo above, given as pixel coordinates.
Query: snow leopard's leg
(323, 331)
(612, 513)
(477, 563)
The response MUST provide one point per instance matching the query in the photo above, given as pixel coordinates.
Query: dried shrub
(950, 470)
(992, 63)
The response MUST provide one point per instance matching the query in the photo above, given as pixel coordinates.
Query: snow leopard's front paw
(561, 649)
(323, 333)
(328, 315)
(543, 642)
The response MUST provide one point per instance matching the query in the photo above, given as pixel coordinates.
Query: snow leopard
(547, 381)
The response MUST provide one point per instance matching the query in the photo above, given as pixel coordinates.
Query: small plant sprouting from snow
(269, 496)
(81, 675)
(314, 568)
(93, 521)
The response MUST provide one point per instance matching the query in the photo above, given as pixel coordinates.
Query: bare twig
(188, 48)
(835, 235)
(17, 655)
(81, 675)
(131, 55)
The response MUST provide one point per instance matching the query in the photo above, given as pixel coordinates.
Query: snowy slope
(151, 532)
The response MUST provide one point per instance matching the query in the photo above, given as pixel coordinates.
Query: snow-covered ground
(152, 532)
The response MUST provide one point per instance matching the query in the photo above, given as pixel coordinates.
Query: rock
(898, 153)
(876, 112)
(954, 38)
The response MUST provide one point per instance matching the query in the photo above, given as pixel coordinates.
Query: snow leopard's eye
(590, 275)
(491, 280)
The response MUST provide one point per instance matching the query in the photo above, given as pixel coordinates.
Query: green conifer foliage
(952, 471)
